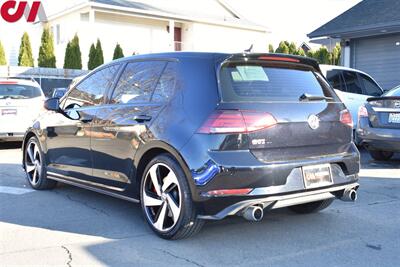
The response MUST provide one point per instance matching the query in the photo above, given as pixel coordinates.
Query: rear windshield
(257, 83)
(16, 91)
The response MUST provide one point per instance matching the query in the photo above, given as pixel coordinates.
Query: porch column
(171, 37)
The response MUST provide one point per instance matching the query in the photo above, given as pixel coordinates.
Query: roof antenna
(249, 50)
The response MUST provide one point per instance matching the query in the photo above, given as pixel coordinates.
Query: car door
(122, 126)
(69, 133)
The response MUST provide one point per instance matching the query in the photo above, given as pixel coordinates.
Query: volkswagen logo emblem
(397, 104)
(313, 122)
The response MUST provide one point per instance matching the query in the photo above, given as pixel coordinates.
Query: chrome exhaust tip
(253, 213)
(349, 195)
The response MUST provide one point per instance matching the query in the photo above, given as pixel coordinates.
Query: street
(69, 226)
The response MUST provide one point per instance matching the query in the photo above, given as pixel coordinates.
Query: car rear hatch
(282, 107)
(19, 106)
(383, 112)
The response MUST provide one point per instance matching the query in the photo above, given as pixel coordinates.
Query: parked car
(59, 92)
(197, 136)
(352, 86)
(379, 125)
(21, 101)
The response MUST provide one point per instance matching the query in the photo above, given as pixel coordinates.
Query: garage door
(379, 57)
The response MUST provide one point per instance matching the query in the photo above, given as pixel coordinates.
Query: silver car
(352, 86)
(21, 102)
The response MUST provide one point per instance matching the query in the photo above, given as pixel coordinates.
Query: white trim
(156, 15)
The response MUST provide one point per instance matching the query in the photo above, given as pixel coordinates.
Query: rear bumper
(10, 137)
(230, 170)
(281, 201)
(383, 139)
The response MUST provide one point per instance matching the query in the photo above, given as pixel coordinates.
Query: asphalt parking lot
(71, 227)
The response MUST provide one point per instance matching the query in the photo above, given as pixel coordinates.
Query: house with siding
(146, 26)
(369, 34)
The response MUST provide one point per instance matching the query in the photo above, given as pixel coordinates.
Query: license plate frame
(9, 112)
(315, 176)
(394, 118)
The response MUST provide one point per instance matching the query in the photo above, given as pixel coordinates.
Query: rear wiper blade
(307, 97)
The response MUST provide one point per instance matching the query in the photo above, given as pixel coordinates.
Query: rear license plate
(317, 176)
(394, 118)
(6, 112)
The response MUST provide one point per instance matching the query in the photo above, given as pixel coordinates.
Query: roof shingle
(368, 14)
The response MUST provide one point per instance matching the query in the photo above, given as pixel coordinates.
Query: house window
(58, 33)
(85, 16)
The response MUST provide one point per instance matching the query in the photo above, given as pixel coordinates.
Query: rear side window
(335, 79)
(257, 83)
(166, 85)
(393, 92)
(137, 82)
(371, 88)
(352, 83)
(16, 91)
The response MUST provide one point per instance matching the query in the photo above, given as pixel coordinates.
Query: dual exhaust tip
(256, 213)
(253, 213)
(349, 195)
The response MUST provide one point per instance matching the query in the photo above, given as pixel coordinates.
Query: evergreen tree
(47, 58)
(300, 52)
(25, 57)
(73, 56)
(283, 48)
(99, 54)
(3, 60)
(292, 48)
(336, 53)
(92, 58)
(271, 48)
(118, 52)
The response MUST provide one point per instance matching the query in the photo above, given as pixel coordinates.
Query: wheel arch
(150, 151)
(28, 135)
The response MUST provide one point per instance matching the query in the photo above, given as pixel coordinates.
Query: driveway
(71, 227)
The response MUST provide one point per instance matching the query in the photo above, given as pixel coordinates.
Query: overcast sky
(291, 19)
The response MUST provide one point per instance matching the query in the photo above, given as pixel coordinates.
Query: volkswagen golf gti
(199, 136)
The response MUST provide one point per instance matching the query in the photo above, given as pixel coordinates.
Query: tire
(35, 168)
(312, 206)
(381, 155)
(168, 207)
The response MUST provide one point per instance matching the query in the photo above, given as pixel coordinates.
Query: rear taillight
(237, 121)
(362, 112)
(345, 118)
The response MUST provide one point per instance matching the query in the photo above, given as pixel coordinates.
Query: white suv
(21, 102)
(352, 86)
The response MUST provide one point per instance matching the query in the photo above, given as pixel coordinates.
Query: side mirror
(52, 104)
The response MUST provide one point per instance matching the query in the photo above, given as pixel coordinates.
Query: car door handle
(142, 118)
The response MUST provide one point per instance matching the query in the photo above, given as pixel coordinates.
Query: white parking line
(14, 190)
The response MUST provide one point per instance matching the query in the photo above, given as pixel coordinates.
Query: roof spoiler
(278, 57)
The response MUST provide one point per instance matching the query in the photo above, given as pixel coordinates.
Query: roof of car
(216, 55)
(19, 82)
(325, 68)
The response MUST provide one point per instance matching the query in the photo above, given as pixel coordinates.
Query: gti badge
(313, 122)
(397, 104)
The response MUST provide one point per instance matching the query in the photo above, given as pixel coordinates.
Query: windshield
(258, 83)
(16, 91)
(393, 92)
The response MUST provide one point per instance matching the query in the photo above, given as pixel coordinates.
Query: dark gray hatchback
(197, 136)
